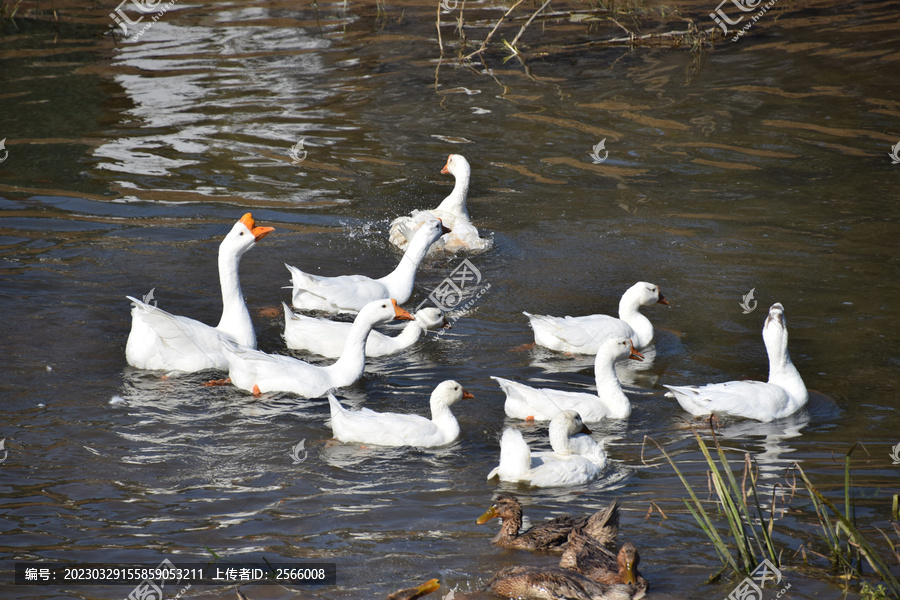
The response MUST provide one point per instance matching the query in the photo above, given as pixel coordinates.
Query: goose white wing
(751, 399)
(319, 336)
(552, 470)
(515, 457)
(542, 404)
(249, 368)
(345, 293)
(161, 340)
(366, 426)
(581, 335)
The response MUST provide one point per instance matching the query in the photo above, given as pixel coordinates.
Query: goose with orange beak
(161, 340)
(610, 402)
(259, 372)
(452, 211)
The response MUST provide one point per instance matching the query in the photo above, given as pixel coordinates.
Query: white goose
(366, 426)
(349, 293)
(160, 340)
(576, 458)
(783, 395)
(259, 372)
(542, 404)
(583, 335)
(452, 211)
(327, 338)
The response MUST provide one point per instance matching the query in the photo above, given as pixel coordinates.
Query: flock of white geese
(162, 341)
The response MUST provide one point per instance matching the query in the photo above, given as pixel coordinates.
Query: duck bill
(432, 585)
(629, 575)
(662, 299)
(468, 394)
(444, 228)
(446, 169)
(258, 233)
(584, 429)
(446, 324)
(487, 516)
(399, 313)
(635, 355)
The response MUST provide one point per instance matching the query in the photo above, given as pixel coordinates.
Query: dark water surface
(758, 164)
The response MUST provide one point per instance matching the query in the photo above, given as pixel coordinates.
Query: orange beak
(468, 394)
(487, 516)
(584, 429)
(399, 313)
(446, 169)
(444, 228)
(257, 232)
(635, 354)
(662, 299)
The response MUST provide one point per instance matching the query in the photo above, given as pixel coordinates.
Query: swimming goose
(366, 426)
(452, 211)
(782, 395)
(552, 535)
(542, 404)
(576, 458)
(161, 340)
(327, 338)
(259, 372)
(349, 293)
(583, 335)
(555, 583)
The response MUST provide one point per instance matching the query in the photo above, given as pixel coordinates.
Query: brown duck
(552, 535)
(586, 556)
(556, 583)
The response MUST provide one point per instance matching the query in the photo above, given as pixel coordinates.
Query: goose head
(457, 165)
(563, 426)
(448, 393)
(425, 236)
(616, 349)
(382, 311)
(775, 335)
(244, 236)
(431, 318)
(644, 294)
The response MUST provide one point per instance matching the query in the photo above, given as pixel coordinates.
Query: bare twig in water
(491, 34)
(528, 22)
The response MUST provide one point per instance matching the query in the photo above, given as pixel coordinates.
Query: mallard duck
(452, 211)
(552, 535)
(366, 426)
(327, 338)
(588, 556)
(781, 396)
(416, 592)
(542, 404)
(556, 583)
(576, 458)
(583, 335)
(259, 372)
(349, 293)
(161, 340)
